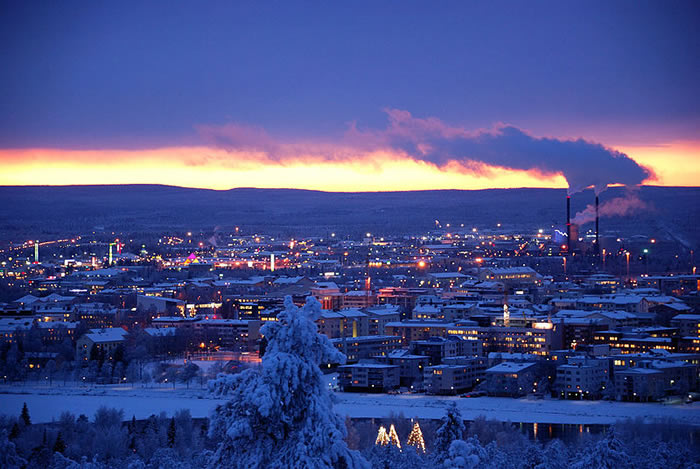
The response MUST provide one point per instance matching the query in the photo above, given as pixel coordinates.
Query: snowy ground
(46, 403)
(514, 410)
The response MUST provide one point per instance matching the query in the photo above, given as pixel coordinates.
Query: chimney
(597, 232)
(568, 224)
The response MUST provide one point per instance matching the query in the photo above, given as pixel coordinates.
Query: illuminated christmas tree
(416, 438)
(393, 437)
(382, 437)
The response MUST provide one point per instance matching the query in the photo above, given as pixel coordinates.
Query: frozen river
(48, 404)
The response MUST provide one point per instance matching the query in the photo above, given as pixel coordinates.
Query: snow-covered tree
(452, 428)
(61, 462)
(556, 456)
(465, 454)
(280, 413)
(608, 453)
(8, 454)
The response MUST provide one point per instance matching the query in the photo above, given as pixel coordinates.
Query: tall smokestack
(597, 232)
(568, 224)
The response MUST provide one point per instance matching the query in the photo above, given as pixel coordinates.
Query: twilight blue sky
(396, 94)
(141, 74)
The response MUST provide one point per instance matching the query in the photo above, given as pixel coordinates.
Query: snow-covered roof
(427, 309)
(639, 371)
(419, 324)
(326, 285)
(686, 317)
(510, 367)
(388, 310)
(288, 280)
(447, 275)
(343, 313)
(109, 334)
(160, 331)
(27, 299)
(357, 293)
(403, 353)
(365, 338)
(13, 324)
(368, 365)
(510, 270)
(56, 324)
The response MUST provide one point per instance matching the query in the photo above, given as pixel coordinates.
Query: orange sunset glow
(214, 168)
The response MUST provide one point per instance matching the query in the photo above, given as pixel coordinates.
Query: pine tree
(171, 433)
(415, 439)
(452, 429)
(59, 445)
(608, 453)
(14, 431)
(25, 415)
(280, 413)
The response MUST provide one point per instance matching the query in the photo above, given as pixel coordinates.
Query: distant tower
(272, 262)
(368, 278)
(36, 251)
(506, 315)
(568, 224)
(597, 232)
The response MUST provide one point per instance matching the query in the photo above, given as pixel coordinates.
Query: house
(343, 323)
(362, 347)
(105, 341)
(451, 379)
(439, 348)
(510, 379)
(688, 324)
(583, 378)
(369, 377)
(639, 384)
(510, 276)
(379, 316)
(410, 366)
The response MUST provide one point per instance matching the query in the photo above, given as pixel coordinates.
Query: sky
(350, 96)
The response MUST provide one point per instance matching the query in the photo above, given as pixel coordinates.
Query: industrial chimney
(597, 232)
(568, 224)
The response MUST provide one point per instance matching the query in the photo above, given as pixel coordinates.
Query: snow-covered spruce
(451, 428)
(280, 414)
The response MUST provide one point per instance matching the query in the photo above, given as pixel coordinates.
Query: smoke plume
(629, 204)
(582, 163)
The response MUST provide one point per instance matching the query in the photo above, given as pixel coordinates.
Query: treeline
(108, 440)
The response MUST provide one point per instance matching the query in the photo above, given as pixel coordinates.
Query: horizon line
(64, 186)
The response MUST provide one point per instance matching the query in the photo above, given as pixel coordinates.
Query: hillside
(48, 211)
